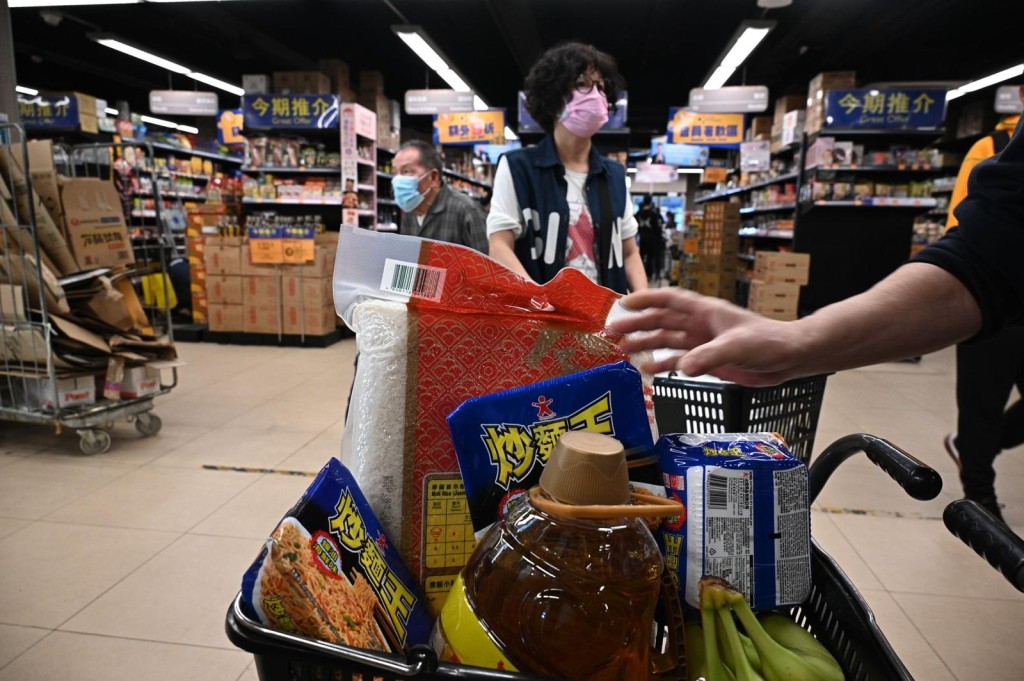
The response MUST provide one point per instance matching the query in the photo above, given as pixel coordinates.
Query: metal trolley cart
(834, 611)
(31, 338)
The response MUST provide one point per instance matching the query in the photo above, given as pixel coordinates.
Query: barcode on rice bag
(413, 280)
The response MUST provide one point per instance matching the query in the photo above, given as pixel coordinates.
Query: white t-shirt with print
(506, 215)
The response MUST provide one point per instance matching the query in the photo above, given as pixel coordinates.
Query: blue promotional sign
(684, 155)
(56, 111)
(895, 108)
(298, 112)
(616, 119)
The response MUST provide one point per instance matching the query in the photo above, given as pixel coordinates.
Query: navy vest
(539, 179)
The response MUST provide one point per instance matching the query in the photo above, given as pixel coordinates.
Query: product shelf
(172, 195)
(293, 202)
(882, 132)
(768, 209)
(878, 202)
(366, 162)
(327, 170)
(386, 202)
(909, 170)
(383, 175)
(172, 174)
(466, 178)
(366, 187)
(784, 234)
(192, 152)
(781, 179)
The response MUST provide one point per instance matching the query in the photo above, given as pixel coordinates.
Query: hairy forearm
(918, 309)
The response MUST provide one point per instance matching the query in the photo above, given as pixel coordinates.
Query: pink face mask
(585, 114)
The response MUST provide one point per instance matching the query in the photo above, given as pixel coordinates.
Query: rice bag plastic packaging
(329, 572)
(437, 324)
(747, 516)
(504, 440)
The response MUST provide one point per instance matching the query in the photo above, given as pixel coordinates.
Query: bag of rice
(437, 324)
(328, 572)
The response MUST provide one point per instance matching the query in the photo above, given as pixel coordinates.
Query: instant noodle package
(329, 572)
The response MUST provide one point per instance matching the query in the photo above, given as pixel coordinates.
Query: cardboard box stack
(775, 285)
(98, 328)
(785, 105)
(713, 268)
(270, 299)
(819, 85)
(301, 83)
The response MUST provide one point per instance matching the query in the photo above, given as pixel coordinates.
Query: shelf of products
(208, 155)
(359, 165)
(335, 201)
(767, 209)
(388, 214)
(781, 179)
(326, 170)
(878, 202)
(278, 153)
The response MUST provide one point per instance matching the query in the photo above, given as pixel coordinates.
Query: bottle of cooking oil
(567, 582)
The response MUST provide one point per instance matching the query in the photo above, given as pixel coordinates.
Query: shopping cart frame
(834, 611)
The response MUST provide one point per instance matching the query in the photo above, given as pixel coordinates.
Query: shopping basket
(834, 611)
(689, 405)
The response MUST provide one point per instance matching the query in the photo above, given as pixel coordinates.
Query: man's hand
(721, 339)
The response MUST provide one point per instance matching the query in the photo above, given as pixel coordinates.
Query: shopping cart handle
(990, 539)
(919, 481)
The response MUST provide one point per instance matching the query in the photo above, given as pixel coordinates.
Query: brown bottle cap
(587, 469)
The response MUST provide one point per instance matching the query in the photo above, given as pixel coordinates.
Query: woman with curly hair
(560, 203)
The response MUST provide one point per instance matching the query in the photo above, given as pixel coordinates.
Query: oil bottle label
(461, 638)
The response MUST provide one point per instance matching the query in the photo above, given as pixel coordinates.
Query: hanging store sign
(58, 111)
(470, 128)
(297, 112)
(683, 155)
(183, 102)
(616, 119)
(901, 108)
(435, 102)
(713, 130)
(738, 99)
(655, 173)
(1010, 99)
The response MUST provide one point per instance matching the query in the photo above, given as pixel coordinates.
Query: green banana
(791, 635)
(695, 658)
(744, 672)
(748, 648)
(778, 663)
(710, 602)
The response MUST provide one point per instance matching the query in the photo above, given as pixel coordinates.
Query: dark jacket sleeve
(986, 251)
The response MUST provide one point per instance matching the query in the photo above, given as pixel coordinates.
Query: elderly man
(429, 208)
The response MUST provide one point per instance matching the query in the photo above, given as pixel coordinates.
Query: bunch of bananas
(775, 648)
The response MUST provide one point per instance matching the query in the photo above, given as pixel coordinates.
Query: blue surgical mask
(407, 191)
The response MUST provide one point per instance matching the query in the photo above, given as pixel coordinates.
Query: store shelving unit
(359, 165)
(854, 243)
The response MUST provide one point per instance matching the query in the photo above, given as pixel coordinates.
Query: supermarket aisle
(121, 566)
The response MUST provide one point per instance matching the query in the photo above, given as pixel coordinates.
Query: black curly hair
(550, 83)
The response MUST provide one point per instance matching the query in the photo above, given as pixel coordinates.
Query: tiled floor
(121, 566)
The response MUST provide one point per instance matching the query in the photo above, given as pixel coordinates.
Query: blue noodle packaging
(747, 516)
(504, 440)
(329, 572)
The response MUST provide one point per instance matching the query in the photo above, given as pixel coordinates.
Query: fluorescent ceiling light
(189, 129)
(21, 89)
(14, 4)
(412, 36)
(746, 39)
(479, 104)
(689, 171)
(750, 39)
(111, 112)
(132, 51)
(720, 77)
(159, 121)
(215, 82)
(1005, 74)
(509, 135)
(142, 54)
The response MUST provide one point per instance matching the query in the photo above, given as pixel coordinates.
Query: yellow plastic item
(153, 291)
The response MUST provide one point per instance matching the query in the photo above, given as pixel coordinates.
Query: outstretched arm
(917, 309)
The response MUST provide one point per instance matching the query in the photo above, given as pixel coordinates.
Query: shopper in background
(986, 371)
(651, 227)
(579, 211)
(429, 208)
(970, 283)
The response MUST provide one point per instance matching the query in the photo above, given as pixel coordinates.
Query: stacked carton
(269, 299)
(776, 282)
(819, 85)
(713, 268)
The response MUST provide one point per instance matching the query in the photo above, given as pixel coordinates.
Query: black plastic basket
(683, 405)
(834, 611)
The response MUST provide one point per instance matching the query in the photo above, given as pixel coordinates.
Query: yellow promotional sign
(472, 127)
(715, 129)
